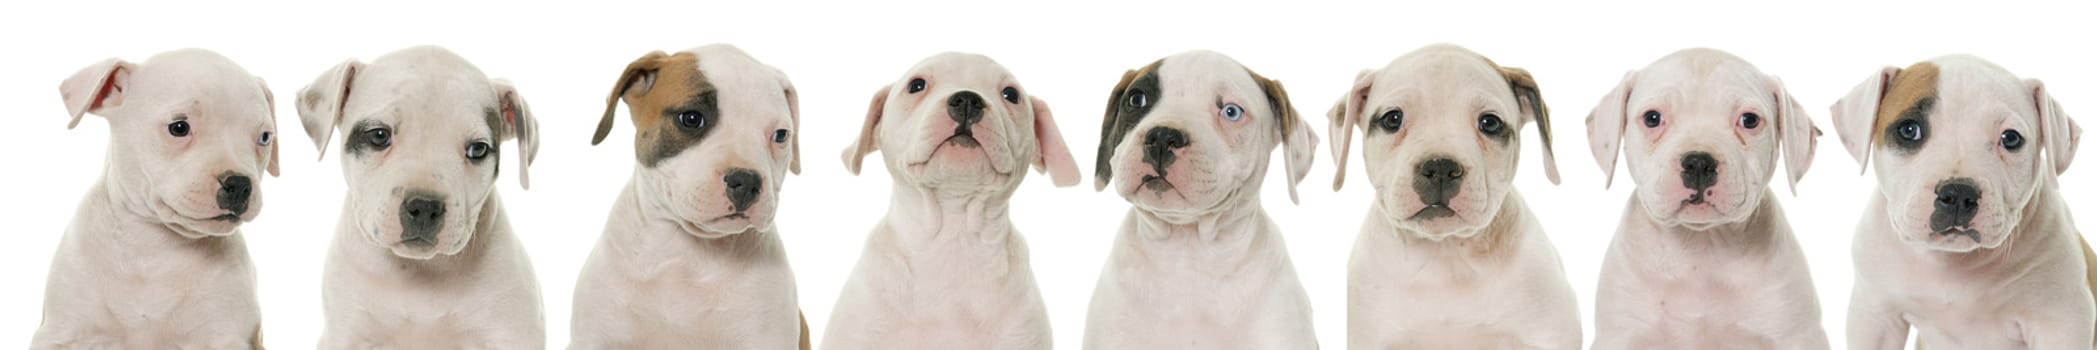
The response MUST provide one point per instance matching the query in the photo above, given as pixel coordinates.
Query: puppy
(1967, 239)
(946, 269)
(1703, 257)
(690, 258)
(1197, 263)
(154, 257)
(423, 256)
(1446, 261)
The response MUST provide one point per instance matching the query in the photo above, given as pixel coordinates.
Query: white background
(564, 58)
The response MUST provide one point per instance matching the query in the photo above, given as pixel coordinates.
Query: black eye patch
(1910, 130)
(366, 137)
(1128, 108)
(676, 132)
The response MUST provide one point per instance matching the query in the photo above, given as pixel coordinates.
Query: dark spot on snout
(1699, 172)
(234, 191)
(1958, 200)
(742, 186)
(1438, 180)
(421, 216)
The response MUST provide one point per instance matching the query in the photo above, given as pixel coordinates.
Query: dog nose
(1158, 144)
(233, 192)
(965, 107)
(420, 217)
(1957, 201)
(742, 188)
(1440, 179)
(1699, 171)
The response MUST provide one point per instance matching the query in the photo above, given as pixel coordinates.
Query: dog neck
(1235, 221)
(923, 214)
(114, 221)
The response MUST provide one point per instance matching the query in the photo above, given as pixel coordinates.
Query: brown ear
(1856, 115)
(519, 124)
(98, 85)
(1533, 111)
(867, 130)
(1344, 115)
(1102, 170)
(1796, 133)
(321, 102)
(638, 77)
(2059, 133)
(1299, 145)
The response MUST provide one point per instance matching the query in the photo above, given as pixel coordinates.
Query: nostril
(742, 186)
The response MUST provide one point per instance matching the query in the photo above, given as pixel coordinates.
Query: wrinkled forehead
(956, 70)
(1443, 72)
(1971, 91)
(1205, 76)
(204, 81)
(409, 98)
(1687, 80)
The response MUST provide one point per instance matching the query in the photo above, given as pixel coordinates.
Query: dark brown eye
(264, 141)
(1652, 119)
(1138, 99)
(1011, 95)
(2012, 140)
(1391, 121)
(179, 128)
(1491, 125)
(379, 137)
(1750, 120)
(916, 85)
(1909, 130)
(691, 120)
(779, 136)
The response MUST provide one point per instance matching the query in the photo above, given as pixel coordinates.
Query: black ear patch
(1133, 98)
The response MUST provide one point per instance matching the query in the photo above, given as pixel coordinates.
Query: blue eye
(1232, 112)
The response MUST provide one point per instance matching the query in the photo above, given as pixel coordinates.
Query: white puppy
(154, 256)
(690, 257)
(946, 269)
(1703, 257)
(1967, 239)
(423, 256)
(1450, 257)
(1197, 264)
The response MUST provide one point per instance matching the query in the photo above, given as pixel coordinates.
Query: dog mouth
(963, 138)
(1955, 232)
(1433, 211)
(1157, 184)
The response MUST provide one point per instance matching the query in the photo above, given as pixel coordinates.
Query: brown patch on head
(1277, 99)
(1911, 91)
(1122, 116)
(657, 89)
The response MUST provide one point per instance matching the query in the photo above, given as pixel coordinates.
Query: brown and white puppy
(423, 256)
(1967, 239)
(690, 257)
(1703, 257)
(154, 256)
(1450, 257)
(1197, 263)
(946, 269)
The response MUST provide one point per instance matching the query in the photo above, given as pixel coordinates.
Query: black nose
(1699, 171)
(1158, 144)
(965, 107)
(420, 217)
(742, 187)
(1957, 201)
(233, 192)
(1440, 179)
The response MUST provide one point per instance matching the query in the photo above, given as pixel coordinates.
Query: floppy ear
(270, 101)
(2060, 134)
(320, 103)
(1299, 145)
(1533, 111)
(98, 85)
(1856, 113)
(866, 143)
(793, 111)
(1102, 170)
(1054, 156)
(1796, 132)
(1605, 126)
(638, 77)
(518, 123)
(1341, 119)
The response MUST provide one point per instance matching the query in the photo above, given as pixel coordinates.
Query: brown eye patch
(1903, 112)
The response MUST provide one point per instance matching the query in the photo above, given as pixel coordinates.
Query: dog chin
(951, 165)
(195, 228)
(721, 226)
(420, 252)
(1953, 240)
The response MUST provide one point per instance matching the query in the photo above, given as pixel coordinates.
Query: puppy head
(191, 131)
(421, 132)
(1190, 132)
(1961, 146)
(961, 121)
(1440, 140)
(713, 135)
(1702, 130)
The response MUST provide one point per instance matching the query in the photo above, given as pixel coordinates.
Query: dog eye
(1138, 99)
(1909, 130)
(917, 85)
(476, 150)
(265, 139)
(1750, 120)
(691, 119)
(379, 137)
(1652, 119)
(179, 128)
(779, 136)
(1490, 124)
(1232, 112)
(2012, 140)
(1011, 94)
(1390, 121)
